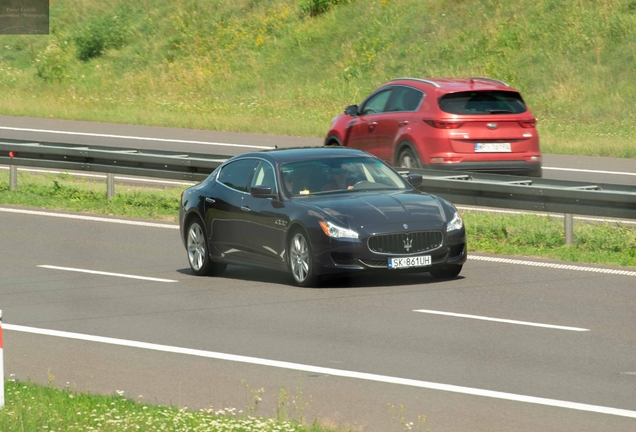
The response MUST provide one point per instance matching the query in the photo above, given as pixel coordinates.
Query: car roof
(453, 84)
(298, 154)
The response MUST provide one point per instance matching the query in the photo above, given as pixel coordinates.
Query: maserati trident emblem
(405, 226)
(491, 125)
(408, 243)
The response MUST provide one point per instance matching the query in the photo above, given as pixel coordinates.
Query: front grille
(343, 258)
(405, 243)
(375, 263)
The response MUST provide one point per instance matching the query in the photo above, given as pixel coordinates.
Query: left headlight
(455, 224)
(335, 231)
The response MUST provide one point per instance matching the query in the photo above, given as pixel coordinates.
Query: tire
(446, 272)
(301, 260)
(407, 159)
(198, 253)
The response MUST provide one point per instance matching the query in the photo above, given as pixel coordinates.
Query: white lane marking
(507, 321)
(590, 171)
(174, 226)
(553, 265)
(106, 273)
(329, 371)
(554, 215)
(101, 176)
(88, 218)
(135, 137)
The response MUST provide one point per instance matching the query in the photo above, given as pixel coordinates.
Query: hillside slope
(265, 66)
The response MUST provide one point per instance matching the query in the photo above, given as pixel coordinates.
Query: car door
(265, 223)
(224, 214)
(362, 133)
(396, 120)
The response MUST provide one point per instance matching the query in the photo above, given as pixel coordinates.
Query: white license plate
(492, 148)
(418, 261)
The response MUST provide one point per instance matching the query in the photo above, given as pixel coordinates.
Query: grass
(527, 235)
(33, 407)
(269, 66)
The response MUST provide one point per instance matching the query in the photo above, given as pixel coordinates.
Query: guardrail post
(569, 229)
(13, 177)
(110, 185)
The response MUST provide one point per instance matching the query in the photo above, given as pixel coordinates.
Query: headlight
(455, 224)
(336, 231)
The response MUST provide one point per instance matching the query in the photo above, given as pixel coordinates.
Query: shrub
(54, 63)
(316, 7)
(103, 32)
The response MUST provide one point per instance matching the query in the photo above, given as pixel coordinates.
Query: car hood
(373, 208)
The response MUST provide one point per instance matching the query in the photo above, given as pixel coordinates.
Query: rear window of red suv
(482, 102)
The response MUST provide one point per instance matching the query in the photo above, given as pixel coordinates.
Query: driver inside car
(339, 180)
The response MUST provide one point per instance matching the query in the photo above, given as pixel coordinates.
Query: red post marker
(11, 154)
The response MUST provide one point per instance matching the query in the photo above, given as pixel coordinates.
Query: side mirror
(351, 110)
(415, 179)
(261, 192)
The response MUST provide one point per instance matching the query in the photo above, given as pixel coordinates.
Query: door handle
(210, 200)
(245, 208)
(403, 123)
(372, 125)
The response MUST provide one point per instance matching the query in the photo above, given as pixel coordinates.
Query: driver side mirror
(262, 192)
(351, 110)
(415, 179)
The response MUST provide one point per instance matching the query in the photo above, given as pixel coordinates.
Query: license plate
(492, 148)
(418, 261)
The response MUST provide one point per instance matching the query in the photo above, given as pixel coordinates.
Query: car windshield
(339, 174)
(483, 102)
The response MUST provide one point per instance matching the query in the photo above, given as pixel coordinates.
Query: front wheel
(407, 159)
(198, 254)
(446, 272)
(301, 261)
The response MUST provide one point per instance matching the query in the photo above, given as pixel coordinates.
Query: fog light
(439, 160)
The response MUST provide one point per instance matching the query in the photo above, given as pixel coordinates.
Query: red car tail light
(528, 123)
(444, 124)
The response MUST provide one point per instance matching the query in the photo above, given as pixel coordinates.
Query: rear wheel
(446, 272)
(407, 159)
(301, 261)
(198, 254)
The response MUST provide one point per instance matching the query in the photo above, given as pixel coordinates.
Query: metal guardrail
(489, 190)
(529, 193)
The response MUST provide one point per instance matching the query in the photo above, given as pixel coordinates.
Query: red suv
(472, 124)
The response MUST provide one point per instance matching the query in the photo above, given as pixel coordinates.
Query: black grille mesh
(406, 243)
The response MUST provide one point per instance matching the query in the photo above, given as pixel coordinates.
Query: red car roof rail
(433, 83)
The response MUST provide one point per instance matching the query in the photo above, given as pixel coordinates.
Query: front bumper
(353, 256)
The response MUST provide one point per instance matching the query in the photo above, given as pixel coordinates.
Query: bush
(54, 63)
(316, 7)
(103, 33)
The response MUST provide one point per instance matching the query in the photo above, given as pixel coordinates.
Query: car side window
(264, 176)
(405, 99)
(376, 103)
(238, 174)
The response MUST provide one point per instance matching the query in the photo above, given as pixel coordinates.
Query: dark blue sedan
(318, 211)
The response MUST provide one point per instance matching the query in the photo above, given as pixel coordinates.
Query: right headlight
(335, 231)
(455, 224)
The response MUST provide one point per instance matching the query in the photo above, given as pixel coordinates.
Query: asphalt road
(561, 167)
(352, 348)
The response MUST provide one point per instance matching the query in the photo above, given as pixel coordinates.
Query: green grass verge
(32, 407)
(527, 235)
(269, 66)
